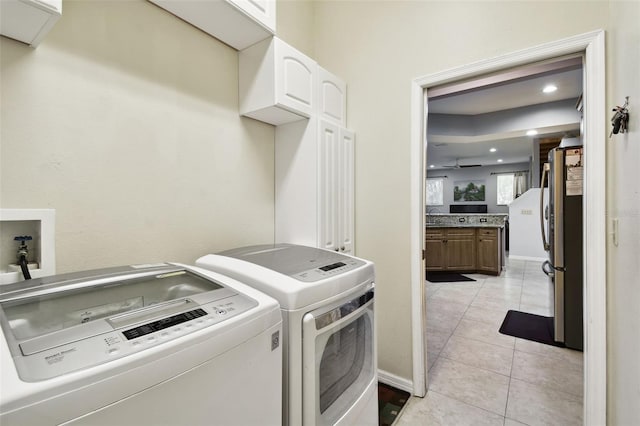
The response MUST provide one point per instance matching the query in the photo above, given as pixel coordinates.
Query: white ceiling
(513, 95)
(511, 148)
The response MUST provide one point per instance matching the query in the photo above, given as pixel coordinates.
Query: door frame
(592, 46)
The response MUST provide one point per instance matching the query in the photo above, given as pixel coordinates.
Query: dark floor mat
(530, 327)
(446, 277)
(390, 402)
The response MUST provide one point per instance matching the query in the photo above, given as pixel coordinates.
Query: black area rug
(446, 277)
(530, 327)
(390, 402)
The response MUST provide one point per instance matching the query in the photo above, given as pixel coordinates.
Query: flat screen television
(467, 208)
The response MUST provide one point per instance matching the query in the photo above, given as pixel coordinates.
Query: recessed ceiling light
(499, 160)
(532, 132)
(549, 88)
(431, 166)
(492, 150)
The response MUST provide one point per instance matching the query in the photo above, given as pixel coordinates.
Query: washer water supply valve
(23, 252)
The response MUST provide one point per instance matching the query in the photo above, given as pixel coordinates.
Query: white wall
(475, 174)
(379, 48)
(125, 120)
(525, 237)
(623, 204)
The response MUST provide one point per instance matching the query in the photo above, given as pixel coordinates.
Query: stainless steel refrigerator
(563, 240)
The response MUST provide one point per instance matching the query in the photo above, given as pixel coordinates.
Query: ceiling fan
(462, 166)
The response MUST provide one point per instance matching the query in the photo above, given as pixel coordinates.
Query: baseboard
(395, 381)
(535, 259)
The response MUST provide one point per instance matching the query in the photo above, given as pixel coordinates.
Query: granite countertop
(472, 220)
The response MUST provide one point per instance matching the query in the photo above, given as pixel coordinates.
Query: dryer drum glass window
(342, 343)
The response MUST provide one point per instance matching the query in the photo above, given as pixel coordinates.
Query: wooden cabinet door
(435, 253)
(461, 249)
(488, 253)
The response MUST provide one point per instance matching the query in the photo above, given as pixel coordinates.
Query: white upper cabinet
(238, 23)
(314, 185)
(332, 97)
(28, 21)
(277, 83)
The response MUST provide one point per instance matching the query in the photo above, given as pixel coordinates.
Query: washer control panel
(127, 340)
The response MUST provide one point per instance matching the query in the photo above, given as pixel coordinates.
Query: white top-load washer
(327, 301)
(161, 344)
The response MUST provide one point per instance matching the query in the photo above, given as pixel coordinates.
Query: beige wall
(379, 48)
(623, 203)
(295, 24)
(125, 120)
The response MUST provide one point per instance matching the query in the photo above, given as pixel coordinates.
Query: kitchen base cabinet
(461, 249)
(489, 251)
(435, 250)
(464, 249)
(451, 249)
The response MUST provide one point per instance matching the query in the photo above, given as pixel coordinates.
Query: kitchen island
(465, 243)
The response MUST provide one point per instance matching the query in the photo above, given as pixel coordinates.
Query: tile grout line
(521, 275)
(483, 369)
(454, 329)
(513, 357)
(466, 403)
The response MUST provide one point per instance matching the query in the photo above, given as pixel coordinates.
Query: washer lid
(58, 310)
(303, 263)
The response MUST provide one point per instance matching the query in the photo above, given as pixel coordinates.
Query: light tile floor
(478, 376)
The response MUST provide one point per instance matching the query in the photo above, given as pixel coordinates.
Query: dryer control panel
(328, 270)
(307, 264)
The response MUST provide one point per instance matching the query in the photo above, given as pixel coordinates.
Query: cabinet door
(435, 250)
(28, 21)
(461, 249)
(263, 11)
(238, 23)
(345, 191)
(295, 79)
(488, 253)
(332, 97)
(328, 136)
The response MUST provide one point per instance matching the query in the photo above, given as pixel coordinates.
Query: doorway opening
(591, 45)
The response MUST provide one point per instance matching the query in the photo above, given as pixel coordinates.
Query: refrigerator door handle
(545, 243)
(548, 272)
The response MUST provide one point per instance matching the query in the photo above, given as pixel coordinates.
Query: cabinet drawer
(434, 234)
(461, 232)
(488, 232)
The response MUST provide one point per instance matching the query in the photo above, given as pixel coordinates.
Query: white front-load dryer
(327, 302)
(161, 344)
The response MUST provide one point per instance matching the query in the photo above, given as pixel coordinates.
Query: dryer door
(339, 358)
